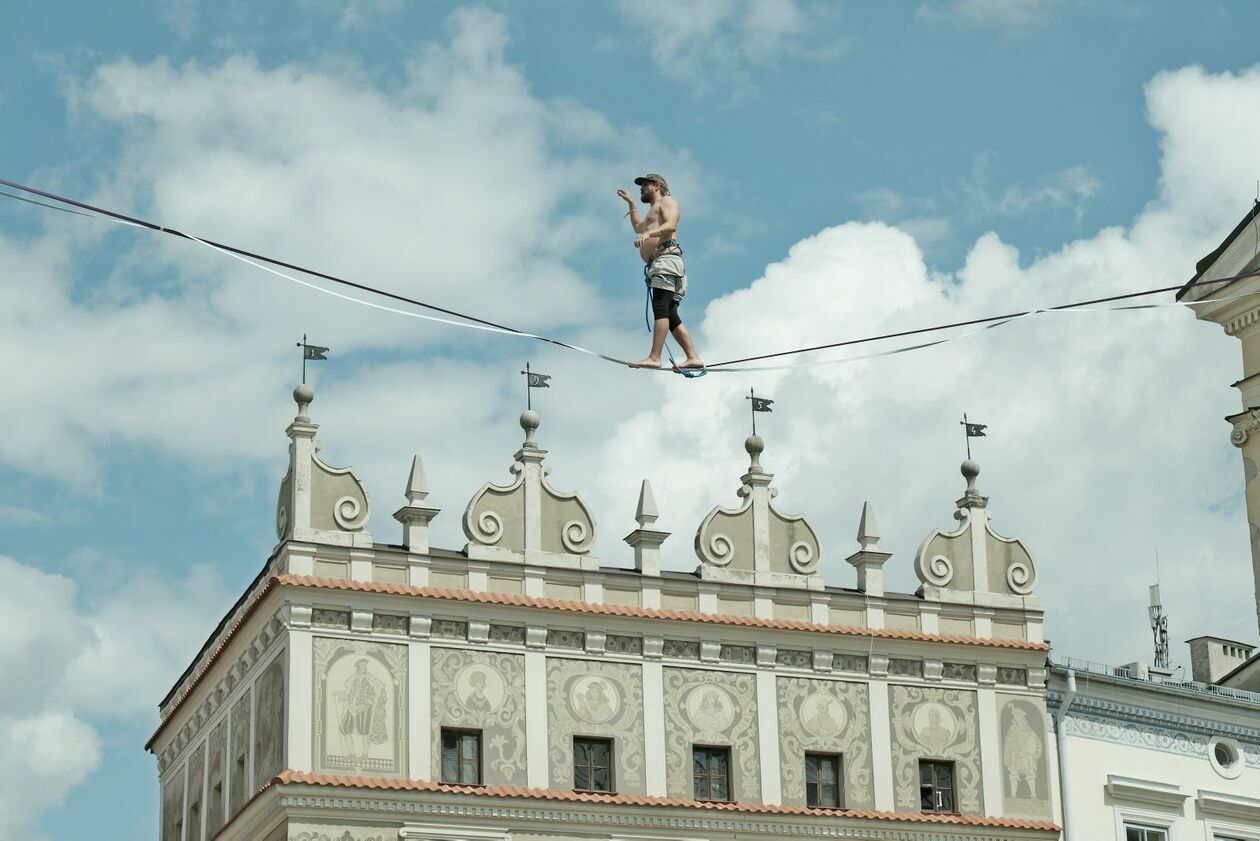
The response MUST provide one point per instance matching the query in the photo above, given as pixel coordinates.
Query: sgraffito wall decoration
(360, 707)
(482, 691)
(591, 698)
(1025, 772)
(238, 751)
(173, 806)
(825, 716)
(269, 730)
(711, 708)
(930, 723)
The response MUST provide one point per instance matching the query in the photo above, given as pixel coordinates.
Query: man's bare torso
(655, 216)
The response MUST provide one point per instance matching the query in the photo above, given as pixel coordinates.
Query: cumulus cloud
(1105, 433)
(459, 187)
(718, 47)
(73, 663)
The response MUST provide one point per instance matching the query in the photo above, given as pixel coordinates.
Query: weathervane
(533, 380)
(315, 353)
(972, 430)
(759, 404)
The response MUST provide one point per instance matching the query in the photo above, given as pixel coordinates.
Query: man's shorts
(665, 305)
(667, 271)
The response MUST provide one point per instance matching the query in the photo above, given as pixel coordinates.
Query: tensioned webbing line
(270, 265)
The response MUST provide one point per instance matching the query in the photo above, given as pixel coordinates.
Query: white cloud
(719, 47)
(1070, 189)
(1105, 434)
(1007, 14)
(75, 659)
(21, 515)
(41, 758)
(460, 188)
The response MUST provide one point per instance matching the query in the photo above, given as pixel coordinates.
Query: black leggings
(664, 305)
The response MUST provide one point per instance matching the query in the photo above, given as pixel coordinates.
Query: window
(711, 772)
(1134, 832)
(461, 756)
(936, 786)
(592, 764)
(822, 781)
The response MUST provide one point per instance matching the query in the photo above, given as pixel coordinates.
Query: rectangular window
(822, 781)
(1136, 832)
(461, 756)
(711, 772)
(592, 764)
(936, 786)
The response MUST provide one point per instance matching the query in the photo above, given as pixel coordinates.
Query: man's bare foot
(647, 362)
(690, 362)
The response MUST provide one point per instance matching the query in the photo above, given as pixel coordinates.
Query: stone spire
(756, 543)
(415, 516)
(318, 503)
(975, 564)
(529, 521)
(869, 562)
(646, 540)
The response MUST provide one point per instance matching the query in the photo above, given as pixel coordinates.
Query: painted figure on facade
(362, 721)
(1022, 754)
(593, 701)
(934, 726)
(710, 709)
(822, 716)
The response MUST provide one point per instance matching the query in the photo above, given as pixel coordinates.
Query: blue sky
(843, 169)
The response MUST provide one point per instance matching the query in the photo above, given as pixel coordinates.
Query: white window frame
(1235, 832)
(1144, 818)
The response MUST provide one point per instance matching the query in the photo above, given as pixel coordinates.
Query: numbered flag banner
(976, 430)
(314, 352)
(539, 380)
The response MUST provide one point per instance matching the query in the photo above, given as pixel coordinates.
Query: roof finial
(868, 529)
(529, 423)
(754, 446)
(304, 395)
(646, 513)
(417, 482)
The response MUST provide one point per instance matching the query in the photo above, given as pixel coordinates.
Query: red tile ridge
(289, 777)
(227, 638)
(509, 599)
(291, 580)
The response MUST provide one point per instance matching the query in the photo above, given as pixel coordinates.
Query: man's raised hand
(626, 197)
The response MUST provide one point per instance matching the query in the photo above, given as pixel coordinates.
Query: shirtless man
(656, 239)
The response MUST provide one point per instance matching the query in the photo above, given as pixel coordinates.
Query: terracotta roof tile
(227, 638)
(322, 583)
(643, 612)
(344, 781)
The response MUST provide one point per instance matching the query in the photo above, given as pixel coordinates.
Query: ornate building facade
(519, 688)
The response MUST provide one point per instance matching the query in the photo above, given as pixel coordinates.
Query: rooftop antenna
(1159, 623)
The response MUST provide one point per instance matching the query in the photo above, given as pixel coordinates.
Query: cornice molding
(643, 819)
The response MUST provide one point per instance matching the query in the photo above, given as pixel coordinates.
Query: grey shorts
(667, 271)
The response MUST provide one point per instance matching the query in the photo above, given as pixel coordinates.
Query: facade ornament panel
(319, 503)
(528, 521)
(756, 543)
(955, 566)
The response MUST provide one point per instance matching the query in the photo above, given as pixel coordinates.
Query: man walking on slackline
(657, 241)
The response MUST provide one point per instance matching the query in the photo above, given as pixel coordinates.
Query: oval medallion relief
(594, 699)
